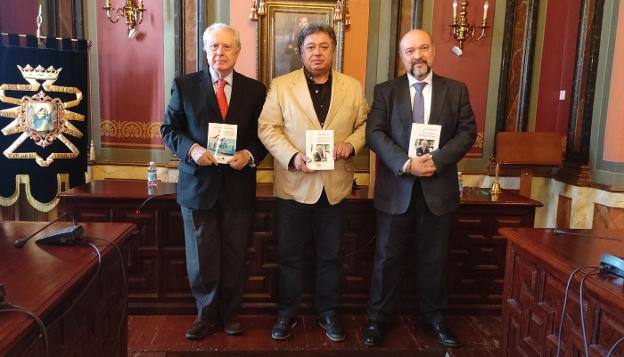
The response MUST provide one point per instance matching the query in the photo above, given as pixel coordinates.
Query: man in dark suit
(414, 197)
(216, 199)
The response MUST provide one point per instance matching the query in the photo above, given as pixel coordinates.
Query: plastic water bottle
(460, 180)
(152, 180)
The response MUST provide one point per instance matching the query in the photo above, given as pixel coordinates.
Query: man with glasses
(414, 197)
(310, 204)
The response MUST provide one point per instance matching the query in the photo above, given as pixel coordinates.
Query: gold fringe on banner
(62, 181)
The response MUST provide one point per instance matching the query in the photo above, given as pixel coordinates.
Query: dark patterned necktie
(418, 109)
(221, 98)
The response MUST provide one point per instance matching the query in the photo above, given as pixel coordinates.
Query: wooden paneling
(564, 212)
(608, 217)
(538, 266)
(157, 270)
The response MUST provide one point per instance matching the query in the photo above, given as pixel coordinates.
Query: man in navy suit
(216, 199)
(415, 197)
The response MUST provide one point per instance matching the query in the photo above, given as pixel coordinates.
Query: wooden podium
(48, 281)
(528, 150)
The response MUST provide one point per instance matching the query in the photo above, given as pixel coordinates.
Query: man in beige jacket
(310, 203)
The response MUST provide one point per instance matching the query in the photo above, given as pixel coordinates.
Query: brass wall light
(341, 11)
(257, 9)
(131, 12)
(462, 30)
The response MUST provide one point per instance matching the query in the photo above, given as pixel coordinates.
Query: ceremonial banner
(43, 118)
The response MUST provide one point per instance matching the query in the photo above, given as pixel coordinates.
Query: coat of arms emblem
(40, 118)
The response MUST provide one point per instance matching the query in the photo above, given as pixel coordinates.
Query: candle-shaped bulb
(486, 6)
(454, 10)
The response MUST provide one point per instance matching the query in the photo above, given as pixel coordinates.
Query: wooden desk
(48, 279)
(538, 266)
(157, 265)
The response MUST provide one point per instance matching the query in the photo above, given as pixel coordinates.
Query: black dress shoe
(372, 333)
(282, 328)
(333, 328)
(200, 329)
(232, 327)
(444, 336)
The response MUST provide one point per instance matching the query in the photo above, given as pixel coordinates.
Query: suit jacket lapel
(235, 98)
(438, 95)
(208, 89)
(403, 102)
(335, 102)
(302, 97)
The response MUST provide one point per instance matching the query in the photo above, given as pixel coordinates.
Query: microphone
(559, 231)
(19, 243)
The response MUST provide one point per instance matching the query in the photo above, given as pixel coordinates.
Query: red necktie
(221, 98)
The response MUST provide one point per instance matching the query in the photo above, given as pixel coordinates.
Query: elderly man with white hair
(216, 199)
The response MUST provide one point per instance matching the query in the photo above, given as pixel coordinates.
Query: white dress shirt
(426, 92)
(214, 75)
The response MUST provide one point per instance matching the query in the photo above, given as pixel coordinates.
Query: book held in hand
(222, 141)
(320, 149)
(424, 139)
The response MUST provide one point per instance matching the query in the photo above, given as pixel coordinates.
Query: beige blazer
(288, 112)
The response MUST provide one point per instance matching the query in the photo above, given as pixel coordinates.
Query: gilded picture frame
(278, 29)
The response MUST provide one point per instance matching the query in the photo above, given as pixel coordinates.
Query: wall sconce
(462, 30)
(341, 11)
(132, 13)
(257, 9)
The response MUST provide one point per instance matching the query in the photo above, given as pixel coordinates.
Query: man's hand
(240, 160)
(343, 151)
(202, 157)
(422, 166)
(300, 161)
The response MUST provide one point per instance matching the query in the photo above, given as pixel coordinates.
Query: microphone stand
(559, 231)
(20, 242)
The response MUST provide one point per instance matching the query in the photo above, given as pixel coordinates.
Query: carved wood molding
(584, 84)
(514, 86)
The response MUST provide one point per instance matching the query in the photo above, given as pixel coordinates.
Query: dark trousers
(427, 234)
(215, 244)
(297, 223)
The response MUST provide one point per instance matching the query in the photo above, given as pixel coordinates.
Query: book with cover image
(222, 141)
(424, 139)
(320, 149)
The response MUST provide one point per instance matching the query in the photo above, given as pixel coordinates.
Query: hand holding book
(202, 156)
(300, 162)
(422, 166)
(239, 160)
